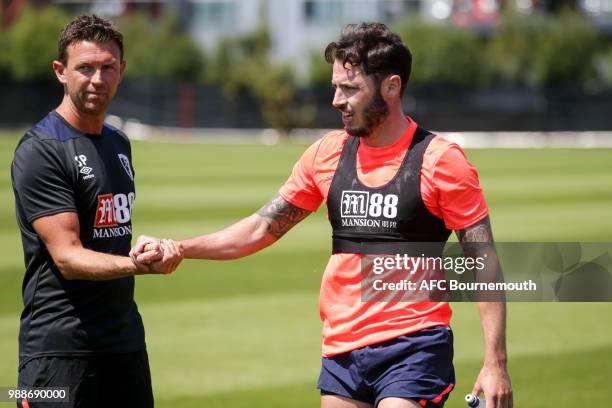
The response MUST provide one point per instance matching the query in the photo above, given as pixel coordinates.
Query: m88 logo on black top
(362, 204)
(112, 211)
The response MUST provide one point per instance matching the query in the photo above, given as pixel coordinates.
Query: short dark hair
(372, 45)
(87, 28)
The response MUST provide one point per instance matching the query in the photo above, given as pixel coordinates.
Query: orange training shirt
(450, 190)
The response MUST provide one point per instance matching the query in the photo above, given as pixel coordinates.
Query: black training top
(58, 169)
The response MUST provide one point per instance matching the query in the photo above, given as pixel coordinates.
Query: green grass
(246, 333)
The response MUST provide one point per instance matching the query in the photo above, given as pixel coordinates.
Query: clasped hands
(156, 256)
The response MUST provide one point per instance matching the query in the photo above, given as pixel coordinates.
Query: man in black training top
(74, 189)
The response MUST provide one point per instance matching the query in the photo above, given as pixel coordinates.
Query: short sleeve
(41, 185)
(453, 190)
(300, 189)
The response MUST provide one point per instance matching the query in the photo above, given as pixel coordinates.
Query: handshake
(156, 256)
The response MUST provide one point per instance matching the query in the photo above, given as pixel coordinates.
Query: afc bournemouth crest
(125, 162)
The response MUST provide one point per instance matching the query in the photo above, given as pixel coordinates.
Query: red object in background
(476, 12)
(186, 106)
(10, 9)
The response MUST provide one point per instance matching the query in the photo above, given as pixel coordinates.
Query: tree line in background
(542, 51)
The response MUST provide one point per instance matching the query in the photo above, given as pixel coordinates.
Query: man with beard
(74, 188)
(387, 183)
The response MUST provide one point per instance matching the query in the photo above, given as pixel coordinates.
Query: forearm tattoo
(281, 216)
(479, 232)
(477, 242)
(477, 239)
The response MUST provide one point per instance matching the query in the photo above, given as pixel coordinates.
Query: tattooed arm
(493, 380)
(479, 232)
(248, 235)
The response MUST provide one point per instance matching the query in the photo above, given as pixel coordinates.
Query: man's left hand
(494, 381)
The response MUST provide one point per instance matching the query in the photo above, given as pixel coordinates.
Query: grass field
(247, 333)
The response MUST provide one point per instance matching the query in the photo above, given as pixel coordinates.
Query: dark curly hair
(373, 46)
(87, 28)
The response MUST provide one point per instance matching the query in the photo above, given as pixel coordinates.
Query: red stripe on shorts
(446, 391)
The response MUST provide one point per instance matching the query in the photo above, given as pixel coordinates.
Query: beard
(373, 115)
(90, 107)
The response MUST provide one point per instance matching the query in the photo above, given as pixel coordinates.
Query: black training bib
(381, 220)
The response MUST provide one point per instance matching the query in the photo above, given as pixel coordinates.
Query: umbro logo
(81, 160)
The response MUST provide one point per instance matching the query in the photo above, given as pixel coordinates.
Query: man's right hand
(154, 256)
(149, 245)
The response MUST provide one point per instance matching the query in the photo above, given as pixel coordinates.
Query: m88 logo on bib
(113, 209)
(360, 204)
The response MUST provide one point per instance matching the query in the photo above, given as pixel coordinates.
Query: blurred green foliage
(237, 62)
(320, 70)
(243, 64)
(154, 50)
(511, 50)
(565, 52)
(603, 66)
(4, 57)
(442, 55)
(31, 43)
(159, 50)
(525, 51)
(534, 50)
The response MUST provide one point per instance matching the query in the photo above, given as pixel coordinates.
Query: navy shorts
(417, 366)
